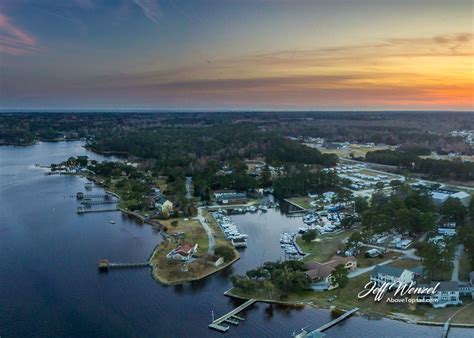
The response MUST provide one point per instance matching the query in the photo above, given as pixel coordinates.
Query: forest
(433, 169)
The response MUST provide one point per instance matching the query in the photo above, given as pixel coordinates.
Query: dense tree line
(404, 210)
(456, 170)
(273, 277)
(302, 182)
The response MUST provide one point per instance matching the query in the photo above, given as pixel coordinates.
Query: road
(188, 187)
(457, 256)
(358, 272)
(410, 253)
(210, 236)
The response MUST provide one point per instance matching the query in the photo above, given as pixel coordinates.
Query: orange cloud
(14, 40)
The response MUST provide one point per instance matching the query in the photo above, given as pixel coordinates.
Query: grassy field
(171, 272)
(356, 150)
(323, 247)
(303, 201)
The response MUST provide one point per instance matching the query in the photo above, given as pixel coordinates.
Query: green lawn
(323, 247)
(303, 202)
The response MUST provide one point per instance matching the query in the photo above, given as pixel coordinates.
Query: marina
(289, 246)
(230, 230)
(149, 306)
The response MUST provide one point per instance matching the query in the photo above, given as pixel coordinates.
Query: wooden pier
(97, 202)
(82, 210)
(339, 319)
(103, 196)
(105, 265)
(231, 317)
(446, 329)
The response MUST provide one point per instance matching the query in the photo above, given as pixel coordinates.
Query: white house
(182, 252)
(447, 293)
(390, 274)
(163, 205)
(447, 229)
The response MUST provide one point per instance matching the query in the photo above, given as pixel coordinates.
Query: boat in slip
(239, 242)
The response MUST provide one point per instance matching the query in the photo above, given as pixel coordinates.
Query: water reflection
(48, 268)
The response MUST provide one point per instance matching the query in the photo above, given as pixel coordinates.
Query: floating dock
(339, 319)
(231, 317)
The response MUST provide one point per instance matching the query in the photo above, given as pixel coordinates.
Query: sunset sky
(224, 54)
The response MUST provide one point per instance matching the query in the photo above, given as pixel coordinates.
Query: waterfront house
(390, 274)
(162, 204)
(320, 274)
(183, 252)
(447, 294)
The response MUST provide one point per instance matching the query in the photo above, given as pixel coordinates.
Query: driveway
(210, 236)
(358, 272)
(457, 256)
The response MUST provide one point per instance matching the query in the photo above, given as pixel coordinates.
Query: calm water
(49, 284)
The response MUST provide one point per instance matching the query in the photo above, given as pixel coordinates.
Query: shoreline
(158, 226)
(360, 312)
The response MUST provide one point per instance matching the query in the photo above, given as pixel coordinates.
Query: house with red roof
(183, 252)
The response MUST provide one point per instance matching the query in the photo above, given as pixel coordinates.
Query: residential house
(162, 204)
(447, 294)
(350, 262)
(320, 274)
(447, 229)
(183, 252)
(390, 274)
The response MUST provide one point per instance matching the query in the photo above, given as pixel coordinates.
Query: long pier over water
(337, 320)
(231, 317)
(105, 265)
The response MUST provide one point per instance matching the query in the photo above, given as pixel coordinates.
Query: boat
(112, 222)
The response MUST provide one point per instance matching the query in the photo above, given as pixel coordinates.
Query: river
(50, 286)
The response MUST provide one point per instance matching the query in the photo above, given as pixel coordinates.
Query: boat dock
(339, 319)
(446, 329)
(81, 195)
(231, 317)
(82, 210)
(105, 265)
(97, 202)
